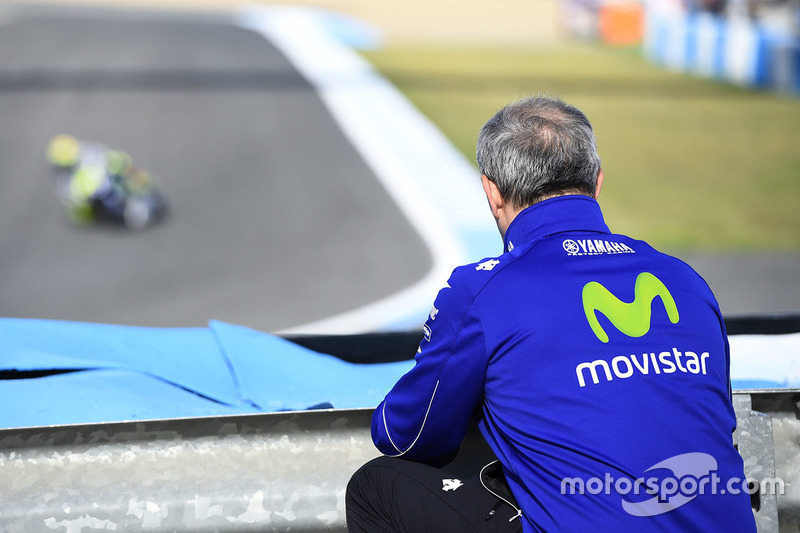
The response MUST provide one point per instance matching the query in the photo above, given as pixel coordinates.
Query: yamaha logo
(595, 247)
(571, 247)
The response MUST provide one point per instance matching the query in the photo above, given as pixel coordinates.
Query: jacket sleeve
(425, 416)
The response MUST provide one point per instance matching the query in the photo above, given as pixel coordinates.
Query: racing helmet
(64, 151)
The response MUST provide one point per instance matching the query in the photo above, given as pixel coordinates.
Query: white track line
(434, 186)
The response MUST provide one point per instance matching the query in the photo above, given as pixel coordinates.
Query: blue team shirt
(588, 357)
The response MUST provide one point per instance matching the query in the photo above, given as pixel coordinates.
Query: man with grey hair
(596, 367)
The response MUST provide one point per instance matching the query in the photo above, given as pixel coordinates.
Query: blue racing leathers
(598, 370)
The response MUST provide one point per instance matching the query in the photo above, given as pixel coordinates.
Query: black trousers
(395, 495)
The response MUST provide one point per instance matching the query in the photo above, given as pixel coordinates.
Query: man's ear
(496, 202)
(599, 184)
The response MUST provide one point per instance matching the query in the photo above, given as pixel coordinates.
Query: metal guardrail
(271, 472)
(768, 438)
(279, 471)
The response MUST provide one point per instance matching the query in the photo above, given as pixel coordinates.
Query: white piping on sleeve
(386, 427)
(424, 420)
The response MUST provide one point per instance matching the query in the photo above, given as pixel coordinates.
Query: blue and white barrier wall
(736, 51)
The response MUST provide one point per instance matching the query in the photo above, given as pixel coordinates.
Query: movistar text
(627, 366)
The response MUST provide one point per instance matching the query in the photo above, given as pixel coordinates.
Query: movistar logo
(632, 319)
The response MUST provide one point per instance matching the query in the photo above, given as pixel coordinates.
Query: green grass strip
(690, 164)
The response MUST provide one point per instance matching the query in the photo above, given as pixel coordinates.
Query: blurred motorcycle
(99, 184)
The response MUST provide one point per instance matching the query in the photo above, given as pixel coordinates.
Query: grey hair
(537, 148)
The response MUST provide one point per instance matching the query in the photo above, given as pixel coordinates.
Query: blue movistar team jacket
(598, 369)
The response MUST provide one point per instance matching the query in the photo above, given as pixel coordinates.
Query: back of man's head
(537, 148)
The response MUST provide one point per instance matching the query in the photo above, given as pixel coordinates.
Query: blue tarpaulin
(114, 373)
(57, 372)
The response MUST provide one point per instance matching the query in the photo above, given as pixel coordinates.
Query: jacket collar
(556, 215)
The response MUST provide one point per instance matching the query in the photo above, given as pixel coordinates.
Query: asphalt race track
(275, 220)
